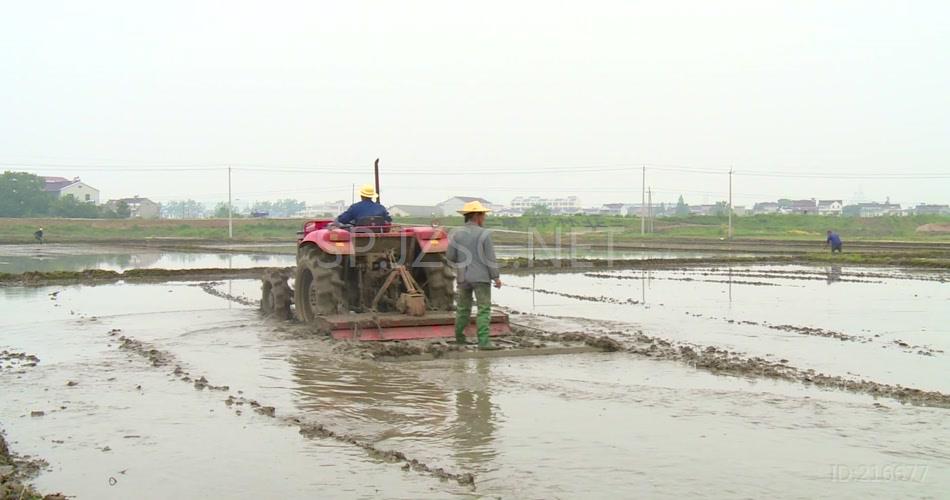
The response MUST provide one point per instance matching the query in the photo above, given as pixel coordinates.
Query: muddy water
(588, 252)
(596, 425)
(54, 257)
(879, 308)
(66, 257)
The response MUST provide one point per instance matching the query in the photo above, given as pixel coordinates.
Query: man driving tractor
(363, 209)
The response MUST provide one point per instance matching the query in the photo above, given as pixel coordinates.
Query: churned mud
(706, 363)
(725, 362)
(307, 426)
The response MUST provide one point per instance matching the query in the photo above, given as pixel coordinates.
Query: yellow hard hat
(473, 207)
(368, 191)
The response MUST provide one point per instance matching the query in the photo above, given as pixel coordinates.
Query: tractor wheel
(319, 287)
(276, 295)
(440, 285)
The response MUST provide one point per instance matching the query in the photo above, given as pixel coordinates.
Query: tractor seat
(374, 224)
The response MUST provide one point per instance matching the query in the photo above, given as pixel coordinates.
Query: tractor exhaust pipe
(379, 198)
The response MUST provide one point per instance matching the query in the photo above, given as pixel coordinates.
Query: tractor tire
(440, 285)
(319, 287)
(276, 295)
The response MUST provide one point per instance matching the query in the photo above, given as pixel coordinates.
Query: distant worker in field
(38, 235)
(473, 255)
(359, 212)
(834, 240)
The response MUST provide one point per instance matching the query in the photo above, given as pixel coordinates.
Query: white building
(326, 209)
(830, 207)
(570, 204)
(415, 211)
(61, 186)
(452, 205)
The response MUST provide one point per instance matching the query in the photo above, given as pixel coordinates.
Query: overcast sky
(803, 99)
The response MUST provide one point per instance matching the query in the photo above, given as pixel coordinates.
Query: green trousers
(463, 312)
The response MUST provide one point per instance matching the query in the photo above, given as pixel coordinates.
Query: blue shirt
(834, 239)
(364, 208)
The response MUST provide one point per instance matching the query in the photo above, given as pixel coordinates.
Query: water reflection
(387, 401)
(403, 406)
(25, 258)
(834, 274)
(474, 429)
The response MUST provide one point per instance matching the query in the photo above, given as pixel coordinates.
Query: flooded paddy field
(21, 258)
(153, 390)
(69, 257)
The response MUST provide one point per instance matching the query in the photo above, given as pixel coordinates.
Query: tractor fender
(331, 241)
(431, 239)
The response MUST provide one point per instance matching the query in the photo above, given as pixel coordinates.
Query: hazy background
(805, 99)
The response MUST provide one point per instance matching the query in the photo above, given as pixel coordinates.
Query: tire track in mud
(734, 282)
(724, 362)
(307, 428)
(209, 287)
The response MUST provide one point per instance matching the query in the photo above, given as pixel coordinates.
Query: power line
(476, 169)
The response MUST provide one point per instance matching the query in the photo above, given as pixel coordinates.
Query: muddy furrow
(922, 350)
(658, 278)
(307, 427)
(587, 298)
(724, 362)
(15, 470)
(209, 288)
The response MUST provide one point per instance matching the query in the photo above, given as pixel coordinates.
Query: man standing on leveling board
(472, 253)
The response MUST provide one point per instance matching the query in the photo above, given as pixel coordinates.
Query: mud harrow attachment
(394, 326)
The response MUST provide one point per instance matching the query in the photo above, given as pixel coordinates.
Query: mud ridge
(14, 472)
(587, 298)
(732, 282)
(209, 287)
(724, 362)
(159, 358)
(92, 276)
(17, 361)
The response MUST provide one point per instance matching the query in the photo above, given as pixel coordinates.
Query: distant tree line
(22, 195)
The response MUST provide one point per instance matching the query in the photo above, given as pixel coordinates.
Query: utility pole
(230, 210)
(643, 203)
(730, 203)
(650, 208)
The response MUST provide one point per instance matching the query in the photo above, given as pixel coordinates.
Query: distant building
(621, 209)
(139, 208)
(452, 205)
(703, 209)
(925, 209)
(61, 186)
(799, 207)
(765, 207)
(830, 207)
(568, 205)
(872, 209)
(327, 209)
(415, 211)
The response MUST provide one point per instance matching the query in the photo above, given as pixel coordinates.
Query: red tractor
(374, 281)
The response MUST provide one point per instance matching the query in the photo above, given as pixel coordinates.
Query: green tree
(22, 195)
(122, 210)
(221, 210)
(537, 211)
(69, 206)
(188, 209)
(721, 209)
(682, 209)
